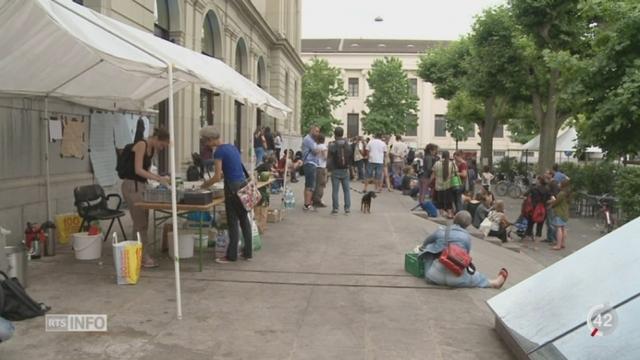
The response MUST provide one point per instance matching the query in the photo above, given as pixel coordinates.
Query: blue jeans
(340, 176)
(360, 165)
(309, 170)
(551, 229)
(375, 171)
(259, 155)
(6, 329)
(436, 273)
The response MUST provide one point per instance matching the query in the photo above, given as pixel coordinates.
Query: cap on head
(210, 133)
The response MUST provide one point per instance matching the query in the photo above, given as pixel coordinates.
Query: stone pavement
(322, 287)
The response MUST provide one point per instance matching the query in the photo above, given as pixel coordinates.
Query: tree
(463, 111)
(611, 81)
(392, 108)
(555, 32)
(322, 92)
(487, 65)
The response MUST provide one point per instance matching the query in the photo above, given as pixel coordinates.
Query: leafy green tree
(611, 82)
(322, 91)
(555, 33)
(463, 112)
(392, 108)
(487, 65)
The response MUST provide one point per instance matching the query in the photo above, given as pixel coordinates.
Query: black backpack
(15, 303)
(193, 173)
(341, 155)
(126, 165)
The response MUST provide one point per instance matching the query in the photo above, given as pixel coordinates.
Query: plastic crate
(161, 195)
(413, 265)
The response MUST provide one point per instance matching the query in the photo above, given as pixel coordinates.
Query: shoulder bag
(455, 258)
(249, 194)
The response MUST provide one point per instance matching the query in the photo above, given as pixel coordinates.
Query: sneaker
(223, 260)
(347, 211)
(308, 208)
(334, 212)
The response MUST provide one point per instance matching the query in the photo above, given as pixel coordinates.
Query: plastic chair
(93, 204)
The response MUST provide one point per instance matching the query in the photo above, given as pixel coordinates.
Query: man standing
(321, 172)
(338, 161)
(310, 163)
(376, 149)
(398, 154)
(358, 157)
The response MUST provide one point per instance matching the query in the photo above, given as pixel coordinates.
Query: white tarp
(103, 151)
(48, 50)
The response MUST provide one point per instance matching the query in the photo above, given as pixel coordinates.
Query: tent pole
(46, 158)
(174, 206)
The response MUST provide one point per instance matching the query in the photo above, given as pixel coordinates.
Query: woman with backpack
(539, 196)
(133, 168)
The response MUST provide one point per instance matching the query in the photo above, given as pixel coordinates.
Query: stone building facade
(354, 58)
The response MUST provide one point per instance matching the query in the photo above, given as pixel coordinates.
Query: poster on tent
(103, 152)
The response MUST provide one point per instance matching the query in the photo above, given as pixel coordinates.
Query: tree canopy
(322, 91)
(392, 108)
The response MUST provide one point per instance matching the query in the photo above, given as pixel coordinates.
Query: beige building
(259, 38)
(355, 56)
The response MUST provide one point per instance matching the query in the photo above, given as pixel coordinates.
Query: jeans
(397, 167)
(237, 217)
(375, 171)
(551, 229)
(361, 169)
(340, 176)
(457, 198)
(309, 170)
(6, 329)
(259, 155)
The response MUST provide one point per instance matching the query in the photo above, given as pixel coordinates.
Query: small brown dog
(365, 204)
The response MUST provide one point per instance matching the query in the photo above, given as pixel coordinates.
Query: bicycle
(519, 187)
(607, 219)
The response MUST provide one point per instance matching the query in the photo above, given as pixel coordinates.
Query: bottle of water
(289, 199)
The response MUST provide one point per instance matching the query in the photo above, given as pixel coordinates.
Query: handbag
(249, 194)
(15, 303)
(456, 181)
(455, 258)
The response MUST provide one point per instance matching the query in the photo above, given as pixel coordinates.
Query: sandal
(149, 263)
(505, 274)
(556, 248)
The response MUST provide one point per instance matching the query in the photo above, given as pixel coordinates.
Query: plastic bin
(413, 265)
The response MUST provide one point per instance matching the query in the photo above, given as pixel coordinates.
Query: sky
(403, 19)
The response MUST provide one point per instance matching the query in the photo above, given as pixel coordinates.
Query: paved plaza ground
(322, 287)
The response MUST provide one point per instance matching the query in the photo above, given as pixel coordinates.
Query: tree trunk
(486, 133)
(549, 124)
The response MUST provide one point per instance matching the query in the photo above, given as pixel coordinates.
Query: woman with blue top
(228, 167)
(437, 274)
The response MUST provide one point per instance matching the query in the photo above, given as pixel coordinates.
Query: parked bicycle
(515, 189)
(607, 219)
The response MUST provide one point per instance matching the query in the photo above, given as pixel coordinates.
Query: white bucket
(185, 244)
(87, 247)
(205, 241)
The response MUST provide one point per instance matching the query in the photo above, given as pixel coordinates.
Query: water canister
(17, 258)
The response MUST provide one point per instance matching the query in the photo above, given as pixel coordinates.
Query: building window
(413, 86)
(440, 126)
(206, 107)
(412, 131)
(529, 153)
(353, 125)
(499, 153)
(499, 131)
(286, 88)
(472, 132)
(354, 85)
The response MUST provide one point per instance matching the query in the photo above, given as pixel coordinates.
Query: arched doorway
(261, 81)
(211, 41)
(241, 60)
(166, 19)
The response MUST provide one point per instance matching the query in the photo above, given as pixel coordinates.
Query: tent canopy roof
(96, 64)
(567, 140)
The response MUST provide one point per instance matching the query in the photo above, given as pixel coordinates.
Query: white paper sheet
(55, 130)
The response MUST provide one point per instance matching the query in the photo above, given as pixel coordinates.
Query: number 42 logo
(602, 320)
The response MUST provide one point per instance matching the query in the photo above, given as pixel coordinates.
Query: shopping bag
(66, 225)
(256, 240)
(127, 257)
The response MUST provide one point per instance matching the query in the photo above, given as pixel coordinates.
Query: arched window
(262, 73)
(211, 38)
(241, 57)
(162, 23)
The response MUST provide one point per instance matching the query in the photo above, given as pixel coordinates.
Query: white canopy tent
(72, 53)
(567, 140)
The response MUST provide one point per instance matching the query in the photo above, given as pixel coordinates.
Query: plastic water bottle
(289, 199)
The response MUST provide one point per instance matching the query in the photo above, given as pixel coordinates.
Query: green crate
(413, 265)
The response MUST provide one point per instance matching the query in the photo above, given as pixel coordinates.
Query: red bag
(527, 207)
(539, 213)
(455, 258)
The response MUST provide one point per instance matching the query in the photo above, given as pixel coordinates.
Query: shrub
(627, 189)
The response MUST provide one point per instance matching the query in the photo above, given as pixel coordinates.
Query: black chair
(93, 204)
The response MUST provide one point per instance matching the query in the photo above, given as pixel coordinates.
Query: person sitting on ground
(473, 205)
(437, 274)
(482, 210)
(499, 222)
(409, 185)
(267, 164)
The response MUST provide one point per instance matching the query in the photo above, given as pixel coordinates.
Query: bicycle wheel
(501, 188)
(515, 191)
